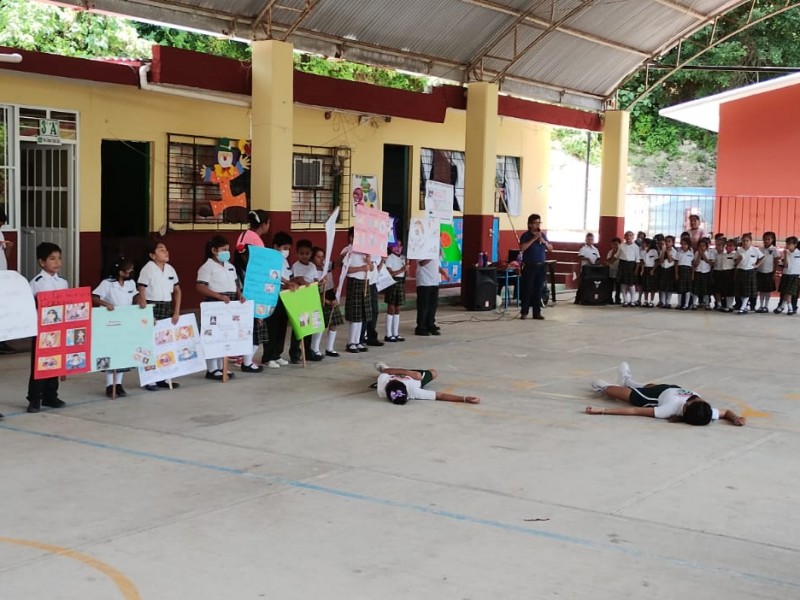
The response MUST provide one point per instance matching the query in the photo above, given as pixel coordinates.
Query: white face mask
(285, 253)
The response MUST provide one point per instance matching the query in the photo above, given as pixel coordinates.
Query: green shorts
(427, 376)
(648, 396)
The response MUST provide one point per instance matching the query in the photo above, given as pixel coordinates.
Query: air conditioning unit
(307, 172)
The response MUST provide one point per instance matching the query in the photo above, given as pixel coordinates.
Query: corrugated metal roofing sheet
(574, 52)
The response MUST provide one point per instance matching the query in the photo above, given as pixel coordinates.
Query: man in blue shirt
(534, 246)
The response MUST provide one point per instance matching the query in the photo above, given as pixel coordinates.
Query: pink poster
(371, 233)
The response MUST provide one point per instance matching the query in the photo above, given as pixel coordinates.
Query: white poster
(423, 239)
(177, 351)
(17, 307)
(330, 234)
(226, 329)
(385, 279)
(439, 201)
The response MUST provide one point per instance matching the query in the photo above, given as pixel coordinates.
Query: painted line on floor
(124, 585)
(420, 508)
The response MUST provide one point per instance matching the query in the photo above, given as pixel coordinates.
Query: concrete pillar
(482, 125)
(273, 132)
(613, 177)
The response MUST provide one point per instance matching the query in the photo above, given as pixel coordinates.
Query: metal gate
(47, 199)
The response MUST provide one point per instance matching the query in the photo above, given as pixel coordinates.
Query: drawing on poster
(227, 328)
(50, 339)
(262, 281)
(53, 315)
(76, 361)
(180, 352)
(439, 201)
(77, 312)
(371, 231)
(423, 239)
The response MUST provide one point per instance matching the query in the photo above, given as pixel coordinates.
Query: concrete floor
(299, 484)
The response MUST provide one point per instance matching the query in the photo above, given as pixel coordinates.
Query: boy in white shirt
(790, 276)
(662, 401)
(748, 259)
(588, 254)
(304, 272)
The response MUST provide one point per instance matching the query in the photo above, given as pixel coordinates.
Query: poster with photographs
(439, 201)
(226, 329)
(176, 351)
(64, 332)
(423, 239)
(17, 308)
(262, 280)
(122, 338)
(304, 309)
(371, 231)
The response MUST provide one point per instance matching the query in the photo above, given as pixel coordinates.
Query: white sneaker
(281, 362)
(380, 366)
(599, 386)
(623, 374)
(273, 364)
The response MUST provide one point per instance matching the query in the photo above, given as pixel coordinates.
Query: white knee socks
(331, 339)
(315, 340)
(389, 325)
(110, 378)
(355, 333)
(396, 325)
(213, 364)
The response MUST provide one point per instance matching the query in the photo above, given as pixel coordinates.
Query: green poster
(304, 309)
(121, 338)
(450, 250)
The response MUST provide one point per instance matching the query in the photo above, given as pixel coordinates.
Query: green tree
(46, 28)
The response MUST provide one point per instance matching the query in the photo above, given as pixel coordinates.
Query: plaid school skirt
(722, 282)
(161, 310)
(765, 282)
(333, 316)
(649, 282)
(395, 295)
(666, 279)
(357, 305)
(745, 283)
(625, 272)
(789, 284)
(684, 283)
(702, 284)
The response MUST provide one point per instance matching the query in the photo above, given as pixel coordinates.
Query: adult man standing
(534, 246)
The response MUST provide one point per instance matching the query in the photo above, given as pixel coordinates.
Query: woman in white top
(118, 289)
(217, 281)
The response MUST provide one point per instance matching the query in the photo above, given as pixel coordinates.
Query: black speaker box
(595, 284)
(480, 288)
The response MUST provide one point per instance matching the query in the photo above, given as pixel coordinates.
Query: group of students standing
(738, 277)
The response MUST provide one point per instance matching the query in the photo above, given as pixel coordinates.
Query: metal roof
(570, 52)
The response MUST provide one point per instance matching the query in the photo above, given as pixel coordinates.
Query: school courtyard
(300, 483)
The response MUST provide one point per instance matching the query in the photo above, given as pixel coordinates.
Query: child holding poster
(304, 272)
(357, 305)
(217, 281)
(277, 322)
(395, 295)
(44, 392)
(158, 285)
(118, 289)
(330, 305)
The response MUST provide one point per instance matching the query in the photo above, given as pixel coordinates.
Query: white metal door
(47, 196)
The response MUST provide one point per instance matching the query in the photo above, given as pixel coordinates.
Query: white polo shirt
(792, 262)
(628, 252)
(702, 265)
(685, 258)
(115, 294)
(648, 257)
(589, 255)
(158, 284)
(44, 282)
(413, 387)
(372, 276)
(726, 261)
(357, 259)
(428, 275)
(219, 277)
(308, 272)
(767, 265)
(749, 258)
(671, 401)
(669, 258)
(395, 263)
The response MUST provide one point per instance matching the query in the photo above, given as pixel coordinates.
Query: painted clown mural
(231, 173)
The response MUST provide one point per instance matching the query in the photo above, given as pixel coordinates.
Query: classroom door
(394, 193)
(124, 199)
(47, 205)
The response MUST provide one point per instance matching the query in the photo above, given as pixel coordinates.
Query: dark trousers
(294, 346)
(276, 329)
(40, 389)
(369, 331)
(532, 283)
(427, 303)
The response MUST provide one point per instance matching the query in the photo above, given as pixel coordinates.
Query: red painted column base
(609, 228)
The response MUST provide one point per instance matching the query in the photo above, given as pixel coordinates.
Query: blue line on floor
(462, 517)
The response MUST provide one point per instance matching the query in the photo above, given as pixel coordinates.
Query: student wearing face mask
(118, 289)
(217, 282)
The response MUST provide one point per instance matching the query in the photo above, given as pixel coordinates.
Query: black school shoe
(352, 348)
(54, 403)
(332, 353)
(315, 356)
(374, 343)
(252, 368)
(421, 332)
(34, 408)
(165, 386)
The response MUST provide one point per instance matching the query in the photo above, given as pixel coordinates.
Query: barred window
(507, 189)
(444, 166)
(208, 179)
(320, 183)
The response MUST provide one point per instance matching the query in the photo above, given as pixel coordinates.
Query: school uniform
(277, 324)
(428, 279)
(115, 294)
(159, 285)
(613, 268)
(791, 273)
(628, 255)
(332, 314)
(724, 274)
(666, 273)
(701, 287)
(43, 391)
(369, 332)
(588, 255)
(685, 271)
(648, 259)
(395, 295)
(357, 307)
(745, 282)
(765, 274)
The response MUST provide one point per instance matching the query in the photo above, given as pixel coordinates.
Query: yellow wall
(126, 113)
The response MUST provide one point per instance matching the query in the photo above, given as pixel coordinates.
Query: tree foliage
(47, 28)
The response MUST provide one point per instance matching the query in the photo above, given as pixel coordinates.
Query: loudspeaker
(480, 288)
(595, 284)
